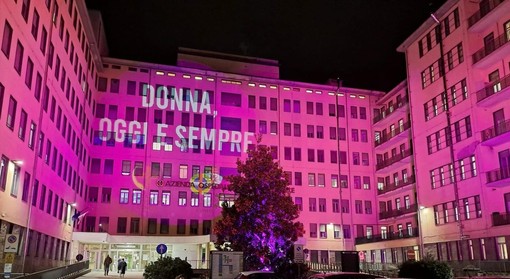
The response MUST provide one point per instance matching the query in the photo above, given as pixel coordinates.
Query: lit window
(124, 196)
(182, 198)
(165, 198)
(153, 199)
(183, 171)
(137, 196)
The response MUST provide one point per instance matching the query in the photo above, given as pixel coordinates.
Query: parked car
(260, 274)
(343, 275)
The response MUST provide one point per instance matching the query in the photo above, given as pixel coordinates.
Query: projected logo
(134, 175)
(202, 183)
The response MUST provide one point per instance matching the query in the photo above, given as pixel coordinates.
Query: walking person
(107, 263)
(122, 267)
(118, 265)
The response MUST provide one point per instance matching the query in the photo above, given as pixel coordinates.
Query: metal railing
(483, 11)
(413, 208)
(69, 271)
(498, 174)
(406, 233)
(493, 88)
(500, 219)
(498, 42)
(390, 161)
(496, 130)
(459, 267)
(399, 130)
(393, 186)
(387, 112)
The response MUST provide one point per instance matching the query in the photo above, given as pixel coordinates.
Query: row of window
(337, 205)
(458, 131)
(233, 99)
(47, 247)
(440, 67)
(446, 100)
(335, 156)
(404, 178)
(450, 212)
(321, 231)
(387, 206)
(165, 227)
(447, 174)
(431, 39)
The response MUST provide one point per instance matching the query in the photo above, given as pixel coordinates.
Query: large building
(105, 156)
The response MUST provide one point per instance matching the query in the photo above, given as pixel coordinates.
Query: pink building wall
(481, 236)
(69, 168)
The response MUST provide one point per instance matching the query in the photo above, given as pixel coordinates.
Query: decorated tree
(262, 221)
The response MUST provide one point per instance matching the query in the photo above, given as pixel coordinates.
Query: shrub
(167, 267)
(425, 269)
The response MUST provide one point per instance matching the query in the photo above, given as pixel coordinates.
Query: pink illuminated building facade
(102, 155)
(458, 62)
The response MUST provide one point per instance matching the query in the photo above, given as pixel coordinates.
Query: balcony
(497, 134)
(491, 53)
(498, 177)
(395, 186)
(500, 219)
(494, 93)
(395, 161)
(388, 236)
(413, 208)
(485, 16)
(394, 135)
(391, 113)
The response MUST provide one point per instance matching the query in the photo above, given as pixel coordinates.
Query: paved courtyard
(100, 274)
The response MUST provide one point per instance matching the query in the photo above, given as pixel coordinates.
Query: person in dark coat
(107, 262)
(122, 267)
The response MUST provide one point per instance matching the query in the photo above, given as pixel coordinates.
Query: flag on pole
(79, 215)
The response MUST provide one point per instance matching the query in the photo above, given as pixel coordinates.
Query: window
(22, 125)
(121, 224)
(297, 106)
(124, 196)
(335, 205)
(322, 205)
(35, 24)
(165, 198)
(263, 102)
(354, 112)
(231, 99)
(323, 231)
(311, 179)
(286, 105)
(181, 226)
(321, 180)
(368, 207)
(7, 39)
(134, 227)
(207, 199)
(298, 201)
(152, 225)
(11, 113)
(153, 197)
(194, 199)
(251, 101)
(183, 171)
(312, 204)
(182, 198)
(137, 196)
(297, 130)
(15, 181)
(362, 113)
(106, 195)
(126, 167)
(155, 169)
(164, 226)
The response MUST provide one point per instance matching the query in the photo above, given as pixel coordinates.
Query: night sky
(313, 40)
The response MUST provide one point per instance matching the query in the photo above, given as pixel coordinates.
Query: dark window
(18, 60)
(121, 225)
(152, 226)
(6, 39)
